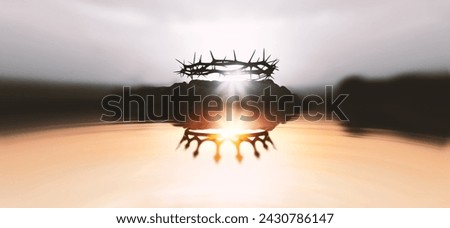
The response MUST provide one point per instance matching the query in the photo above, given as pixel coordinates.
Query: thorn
(234, 53)
(200, 59)
(179, 62)
(264, 53)
(268, 58)
(212, 56)
(194, 58)
(252, 56)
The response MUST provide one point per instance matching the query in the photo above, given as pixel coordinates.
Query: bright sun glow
(228, 133)
(232, 84)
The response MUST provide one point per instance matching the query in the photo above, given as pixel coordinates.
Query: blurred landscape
(35, 104)
(410, 103)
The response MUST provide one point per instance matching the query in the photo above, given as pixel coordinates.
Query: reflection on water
(220, 136)
(137, 165)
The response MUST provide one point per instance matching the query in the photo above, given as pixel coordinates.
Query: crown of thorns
(261, 69)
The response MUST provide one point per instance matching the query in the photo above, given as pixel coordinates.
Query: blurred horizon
(409, 103)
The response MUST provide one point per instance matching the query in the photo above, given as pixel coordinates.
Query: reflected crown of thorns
(261, 69)
(252, 138)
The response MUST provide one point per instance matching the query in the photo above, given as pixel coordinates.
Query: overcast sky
(132, 42)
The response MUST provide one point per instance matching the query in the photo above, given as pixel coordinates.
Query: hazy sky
(131, 42)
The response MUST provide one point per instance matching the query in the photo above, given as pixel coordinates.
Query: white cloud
(137, 41)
